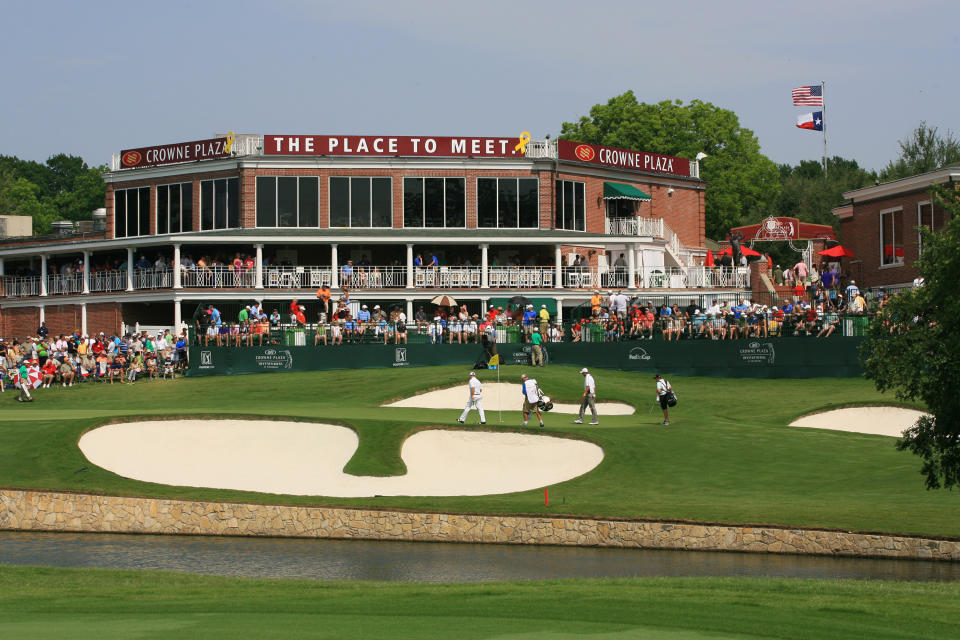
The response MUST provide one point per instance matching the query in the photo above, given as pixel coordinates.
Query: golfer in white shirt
(531, 398)
(589, 397)
(474, 400)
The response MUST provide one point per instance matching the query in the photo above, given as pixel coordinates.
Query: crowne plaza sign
(622, 158)
(176, 152)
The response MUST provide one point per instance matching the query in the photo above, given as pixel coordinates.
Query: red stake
(546, 498)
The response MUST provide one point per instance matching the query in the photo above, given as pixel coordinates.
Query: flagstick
(823, 111)
(499, 395)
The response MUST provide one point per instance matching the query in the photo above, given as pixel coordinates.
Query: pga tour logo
(206, 358)
(639, 353)
(401, 355)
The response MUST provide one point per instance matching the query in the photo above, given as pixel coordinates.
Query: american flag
(808, 96)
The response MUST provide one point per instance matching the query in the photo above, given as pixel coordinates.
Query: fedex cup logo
(638, 353)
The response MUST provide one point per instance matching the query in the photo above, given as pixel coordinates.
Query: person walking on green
(536, 355)
(24, 383)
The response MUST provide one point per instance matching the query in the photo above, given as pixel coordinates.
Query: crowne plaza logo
(584, 152)
(131, 158)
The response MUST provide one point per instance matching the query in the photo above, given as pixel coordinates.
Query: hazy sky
(91, 78)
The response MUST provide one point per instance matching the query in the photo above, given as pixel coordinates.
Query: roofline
(904, 185)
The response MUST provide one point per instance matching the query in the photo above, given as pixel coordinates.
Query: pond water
(428, 561)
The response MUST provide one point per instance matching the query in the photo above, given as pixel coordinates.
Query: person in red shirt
(98, 347)
(798, 291)
(49, 370)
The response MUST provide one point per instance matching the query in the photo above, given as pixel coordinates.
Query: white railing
(103, 281)
(447, 277)
(693, 278)
(635, 226)
(297, 277)
(21, 286)
(521, 277)
(542, 149)
(152, 278)
(595, 278)
(373, 277)
(218, 277)
(64, 284)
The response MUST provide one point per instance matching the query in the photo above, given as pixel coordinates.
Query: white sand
(302, 458)
(881, 421)
(497, 396)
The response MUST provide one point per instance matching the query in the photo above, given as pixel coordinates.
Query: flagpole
(823, 108)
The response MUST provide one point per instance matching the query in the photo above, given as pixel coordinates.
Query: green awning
(618, 191)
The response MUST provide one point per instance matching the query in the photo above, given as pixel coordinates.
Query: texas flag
(812, 121)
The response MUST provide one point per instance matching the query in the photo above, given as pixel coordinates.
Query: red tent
(747, 251)
(838, 251)
(708, 261)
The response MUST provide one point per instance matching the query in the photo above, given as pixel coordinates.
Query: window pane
(580, 203)
(507, 203)
(174, 217)
(219, 204)
(233, 203)
(206, 205)
(145, 211)
(186, 207)
(120, 213)
(286, 202)
(568, 205)
(558, 204)
(339, 202)
(433, 202)
(133, 201)
(163, 215)
(266, 201)
(529, 203)
(456, 203)
(413, 202)
(359, 202)
(382, 202)
(486, 202)
(309, 202)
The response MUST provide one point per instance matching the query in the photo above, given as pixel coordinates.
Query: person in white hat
(589, 398)
(531, 398)
(474, 399)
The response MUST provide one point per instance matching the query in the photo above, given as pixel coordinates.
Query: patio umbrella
(444, 301)
(708, 261)
(838, 251)
(523, 301)
(747, 251)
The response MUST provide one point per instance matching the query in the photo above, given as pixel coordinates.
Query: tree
(20, 197)
(64, 188)
(742, 183)
(925, 150)
(913, 348)
(806, 194)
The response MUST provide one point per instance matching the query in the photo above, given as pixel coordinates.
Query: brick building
(552, 220)
(880, 223)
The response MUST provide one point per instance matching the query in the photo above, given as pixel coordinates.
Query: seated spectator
(576, 331)
(67, 372)
(336, 332)
(830, 323)
(150, 363)
(49, 371)
(716, 326)
(117, 367)
(400, 329)
(135, 367)
(321, 333)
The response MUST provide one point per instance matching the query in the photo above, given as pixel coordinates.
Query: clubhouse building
(395, 220)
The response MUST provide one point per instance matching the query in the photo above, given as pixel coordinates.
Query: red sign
(178, 152)
(285, 145)
(623, 158)
(781, 228)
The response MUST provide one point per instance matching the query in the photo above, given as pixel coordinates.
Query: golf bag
(671, 398)
(544, 403)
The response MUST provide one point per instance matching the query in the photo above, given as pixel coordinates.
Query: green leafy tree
(20, 197)
(925, 150)
(913, 349)
(806, 194)
(64, 188)
(742, 183)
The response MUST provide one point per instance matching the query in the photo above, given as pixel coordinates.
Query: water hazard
(428, 562)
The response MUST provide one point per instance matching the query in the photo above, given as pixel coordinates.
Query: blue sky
(92, 78)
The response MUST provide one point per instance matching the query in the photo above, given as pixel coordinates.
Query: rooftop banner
(622, 158)
(177, 152)
(442, 146)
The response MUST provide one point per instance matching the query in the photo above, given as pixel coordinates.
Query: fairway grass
(107, 604)
(728, 457)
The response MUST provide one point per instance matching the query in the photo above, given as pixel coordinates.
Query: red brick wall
(21, 322)
(861, 234)
(104, 317)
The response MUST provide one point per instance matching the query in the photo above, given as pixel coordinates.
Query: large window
(508, 203)
(891, 237)
(175, 208)
(288, 201)
(924, 219)
(219, 204)
(434, 202)
(571, 204)
(131, 212)
(361, 202)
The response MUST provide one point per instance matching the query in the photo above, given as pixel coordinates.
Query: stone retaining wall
(48, 511)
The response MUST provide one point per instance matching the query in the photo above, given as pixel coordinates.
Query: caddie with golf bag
(665, 396)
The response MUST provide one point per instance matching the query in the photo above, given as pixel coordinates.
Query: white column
(259, 273)
(409, 311)
(632, 265)
(409, 270)
(176, 266)
(177, 317)
(334, 267)
(43, 313)
(43, 279)
(83, 319)
(557, 267)
(484, 267)
(559, 309)
(129, 268)
(86, 272)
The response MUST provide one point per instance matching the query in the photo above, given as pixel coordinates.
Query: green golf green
(729, 455)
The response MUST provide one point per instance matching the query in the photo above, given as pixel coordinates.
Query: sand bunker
(499, 396)
(303, 458)
(881, 421)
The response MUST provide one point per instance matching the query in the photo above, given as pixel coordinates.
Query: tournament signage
(177, 152)
(285, 145)
(622, 158)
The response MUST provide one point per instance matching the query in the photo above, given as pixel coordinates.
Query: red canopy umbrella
(747, 251)
(838, 251)
(708, 261)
